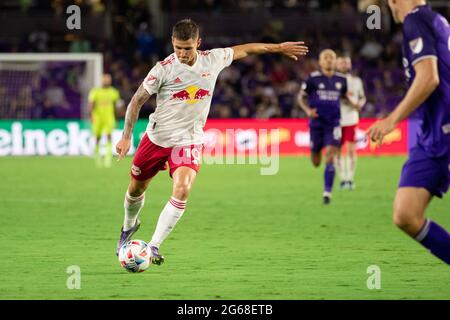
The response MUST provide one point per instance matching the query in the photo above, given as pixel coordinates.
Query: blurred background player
(320, 99)
(102, 103)
(426, 38)
(346, 162)
(184, 84)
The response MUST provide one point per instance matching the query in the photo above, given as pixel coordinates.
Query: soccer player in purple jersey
(426, 49)
(320, 98)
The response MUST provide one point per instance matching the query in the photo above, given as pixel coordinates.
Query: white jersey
(183, 96)
(355, 88)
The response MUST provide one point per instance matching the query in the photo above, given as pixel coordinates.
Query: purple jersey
(324, 94)
(426, 34)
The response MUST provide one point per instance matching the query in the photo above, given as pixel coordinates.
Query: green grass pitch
(243, 235)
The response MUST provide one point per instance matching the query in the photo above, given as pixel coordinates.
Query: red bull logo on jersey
(135, 170)
(191, 94)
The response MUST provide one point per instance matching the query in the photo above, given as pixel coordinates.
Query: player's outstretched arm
(425, 82)
(293, 50)
(131, 116)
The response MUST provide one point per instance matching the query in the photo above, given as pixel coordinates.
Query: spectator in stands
(4, 108)
(242, 89)
(371, 49)
(80, 44)
(38, 40)
(24, 103)
(145, 42)
(55, 103)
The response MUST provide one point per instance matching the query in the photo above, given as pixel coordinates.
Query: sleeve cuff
(428, 56)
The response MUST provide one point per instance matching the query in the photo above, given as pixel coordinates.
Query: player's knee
(352, 153)
(315, 159)
(401, 221)
(401, 217)
(329, 160)
(331, 155)
(136, 188)
(136, 192)
(406, 220)
(181, 190)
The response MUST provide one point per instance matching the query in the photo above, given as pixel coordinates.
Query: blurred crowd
(51, 90)
(220, 6)
(256, 87)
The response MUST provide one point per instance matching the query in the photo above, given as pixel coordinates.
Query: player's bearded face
(186, 49)
(344, 65)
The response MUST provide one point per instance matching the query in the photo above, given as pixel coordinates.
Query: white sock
(351, 165)
(340, 165)
(133, 206)
(168, 218)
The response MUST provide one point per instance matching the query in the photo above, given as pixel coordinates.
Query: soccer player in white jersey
(184, 83)
(346, 163)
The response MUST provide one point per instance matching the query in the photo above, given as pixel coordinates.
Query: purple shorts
(422, 171)
(326, 135)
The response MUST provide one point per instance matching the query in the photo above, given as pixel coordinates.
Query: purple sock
(436, 239)
(329, 176)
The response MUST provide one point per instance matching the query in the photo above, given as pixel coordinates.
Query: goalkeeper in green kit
(102, 103)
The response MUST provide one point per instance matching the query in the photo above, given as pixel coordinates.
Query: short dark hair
(343, 54)
(185, 29)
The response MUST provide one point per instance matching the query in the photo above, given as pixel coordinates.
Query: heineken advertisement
(55, 138)
(222, 137)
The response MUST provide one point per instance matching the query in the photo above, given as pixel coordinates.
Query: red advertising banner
(249, 135)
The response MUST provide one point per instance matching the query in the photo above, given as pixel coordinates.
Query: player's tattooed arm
(131, 116)
(132, 113)
(292, 50)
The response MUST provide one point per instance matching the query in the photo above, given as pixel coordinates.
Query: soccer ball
(135, 256)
